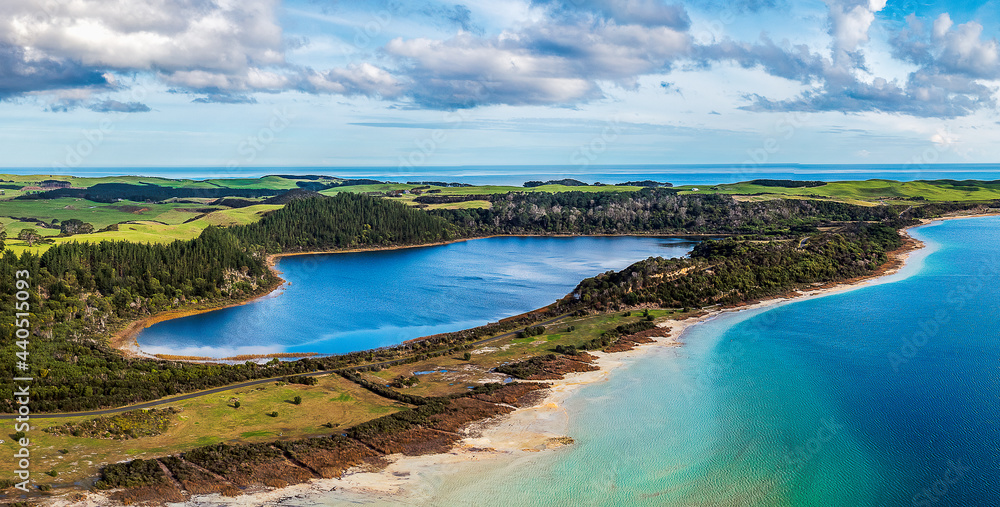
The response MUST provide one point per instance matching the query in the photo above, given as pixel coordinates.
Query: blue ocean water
(518, 174)
(886, 395)
(355, 301)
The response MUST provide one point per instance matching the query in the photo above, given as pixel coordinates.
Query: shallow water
(883, 395)
(354, 301)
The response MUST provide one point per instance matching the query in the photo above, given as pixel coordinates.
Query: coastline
(539, 427)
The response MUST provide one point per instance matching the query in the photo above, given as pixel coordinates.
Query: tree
(3, 240)
(467, 356)
(297, 400)
(75, 226)
(29, 235)
(236, 404)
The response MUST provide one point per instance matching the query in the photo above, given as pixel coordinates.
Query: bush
(467, 356)
(297, 400)
(272, 414)
(236, 404)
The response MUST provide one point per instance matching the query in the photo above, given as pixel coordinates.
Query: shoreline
(126, 340)
(542, 426)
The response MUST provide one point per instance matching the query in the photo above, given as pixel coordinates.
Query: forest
(734, 270)
(651, 210)
(112, 192)
(346, 220)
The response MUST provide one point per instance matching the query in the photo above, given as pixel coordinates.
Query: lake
(338, 303)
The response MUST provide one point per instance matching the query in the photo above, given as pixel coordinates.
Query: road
(188, 396)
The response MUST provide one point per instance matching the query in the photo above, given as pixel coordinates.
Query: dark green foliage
(404, 381)
(532, 331)
(734, 270)
(399, 421)
(131, 424)
(383, 391)
(113, 192)
(569, 182)
(650, 210)
(297, 400)
(132, 474)
(222, 458)
(527, 368)
(788, 183)
(306, 380)
(75, 226)
(644, 183)
(346, 220)
(467, 356)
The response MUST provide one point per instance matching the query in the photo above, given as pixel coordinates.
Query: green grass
(865, 191)
(208, 420)
(145, 231)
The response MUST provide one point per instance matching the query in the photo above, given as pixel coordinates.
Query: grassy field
(865, 191)
(452, 374)
(166, 225)
(271, 182)
(205, 421)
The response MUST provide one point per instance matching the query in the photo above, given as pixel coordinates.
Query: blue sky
(250, 83)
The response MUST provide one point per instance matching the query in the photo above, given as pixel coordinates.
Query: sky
(418, 83)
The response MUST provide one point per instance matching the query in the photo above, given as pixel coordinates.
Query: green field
(163, 223)
(865, 191)
(205, 421)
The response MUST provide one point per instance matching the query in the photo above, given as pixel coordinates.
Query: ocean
(516, 175)
(885, 395)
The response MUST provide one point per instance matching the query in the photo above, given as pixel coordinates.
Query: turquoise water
(881, 396)
(355, 301)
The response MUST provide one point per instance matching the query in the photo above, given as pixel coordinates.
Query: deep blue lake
(886, 395)
(345, 302)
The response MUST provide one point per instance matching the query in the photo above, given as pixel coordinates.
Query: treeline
(568, 182)
(733, 270)
(651, 210)
(346, 220)
(112, 192)
(788, 183)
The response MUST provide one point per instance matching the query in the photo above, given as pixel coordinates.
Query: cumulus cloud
(544, 63)
(23, 72)
(948, 49)
(194, 43)
(945, 85)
